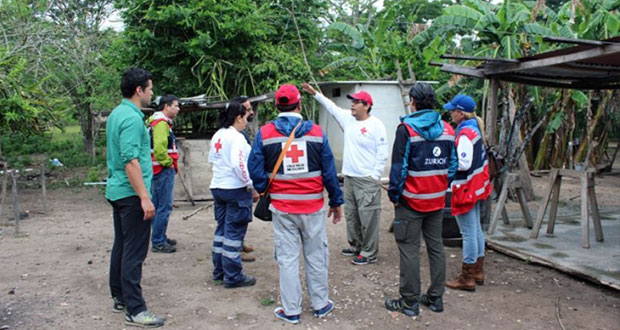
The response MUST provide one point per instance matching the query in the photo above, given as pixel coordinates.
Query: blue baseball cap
(461, 102)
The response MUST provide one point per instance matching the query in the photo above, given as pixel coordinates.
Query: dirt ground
(55, 276)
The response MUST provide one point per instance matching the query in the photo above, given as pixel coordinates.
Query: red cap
(287, 95)
(362, 96)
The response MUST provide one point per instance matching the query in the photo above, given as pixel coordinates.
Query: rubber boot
(479, 272)
(465, 281)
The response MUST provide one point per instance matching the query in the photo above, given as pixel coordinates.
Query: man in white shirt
(366, 151)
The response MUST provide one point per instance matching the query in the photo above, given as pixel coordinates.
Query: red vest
(473, 185)
(172, 145)
(299, 192)
(427, 164)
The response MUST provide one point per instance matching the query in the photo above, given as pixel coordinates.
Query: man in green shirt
(128, 190)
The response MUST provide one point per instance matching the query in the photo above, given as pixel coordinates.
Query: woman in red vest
(470, 187)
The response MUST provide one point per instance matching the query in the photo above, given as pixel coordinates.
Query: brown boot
(247, 249)
(478, 271)
(465, 281)
(247, 258)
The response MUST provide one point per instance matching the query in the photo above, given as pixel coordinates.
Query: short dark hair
(287, 108)
(166, 100)
(133, 78)
(229, 114)
(423, 95)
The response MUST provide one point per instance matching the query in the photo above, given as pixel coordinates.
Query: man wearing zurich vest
(365, 153)
(423, 162)
(470, 186)
(297, 202)
(164, 156)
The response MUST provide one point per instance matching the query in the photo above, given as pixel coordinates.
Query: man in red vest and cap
(297, 201)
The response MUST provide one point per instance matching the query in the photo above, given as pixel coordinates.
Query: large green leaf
(537, 29)
(338, 64)
(483, 7)
(612, 23)
(463, 11)
(351, 32)
(580, 98)
(555, 122)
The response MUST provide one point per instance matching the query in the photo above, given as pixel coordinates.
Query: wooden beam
(577, 41)
(477, 58)
(573, 57)
(462, 70)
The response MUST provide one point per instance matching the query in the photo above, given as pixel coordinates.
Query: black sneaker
(361, 260)
(118, 305)
(409, 308)
(435, 304)
(163, 248)
(248, 281)
(349, 252)
(171, 241)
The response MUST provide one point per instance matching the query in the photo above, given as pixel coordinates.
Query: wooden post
(543, 207)
(500, 205)
(4, 181)
(43, 189)
(585, 216)
(555, 199)
(14, 175)
(593, 204)
(491, 115)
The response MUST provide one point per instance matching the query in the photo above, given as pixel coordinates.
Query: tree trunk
(88, 131)
(592, 124)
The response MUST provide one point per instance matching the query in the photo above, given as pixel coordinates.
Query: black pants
(131, 244)
(408, 225)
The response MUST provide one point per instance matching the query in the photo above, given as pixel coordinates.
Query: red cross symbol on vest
(363, 130)
(218, 146)
(294, 153)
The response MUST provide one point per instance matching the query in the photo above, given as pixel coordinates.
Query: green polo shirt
(127, 139)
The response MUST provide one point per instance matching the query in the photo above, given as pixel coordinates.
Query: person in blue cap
(470, 187)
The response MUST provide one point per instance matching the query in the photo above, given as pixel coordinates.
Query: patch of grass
(267, 301)
(68, 133)
(20, 149)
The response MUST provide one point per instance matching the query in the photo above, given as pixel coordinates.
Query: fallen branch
(196, 211)
(557, 314)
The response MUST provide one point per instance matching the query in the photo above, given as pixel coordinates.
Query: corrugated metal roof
(585, 66)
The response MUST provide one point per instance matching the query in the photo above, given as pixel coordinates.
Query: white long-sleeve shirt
(228, 153)
(465, 151)
(366, 147)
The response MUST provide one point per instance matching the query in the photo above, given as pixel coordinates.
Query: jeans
(408, 224)
(233, 213)
(471, 231)
(131, 244)
(162, 190)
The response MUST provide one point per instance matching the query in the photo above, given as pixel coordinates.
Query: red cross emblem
(294, 153)
(363, 130)
(218, 146)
